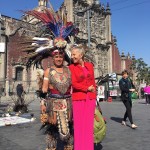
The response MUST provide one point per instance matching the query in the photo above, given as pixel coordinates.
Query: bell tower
(43, 3)
(69, 7)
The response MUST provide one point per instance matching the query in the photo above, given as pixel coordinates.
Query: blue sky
(131, 25)
(130, 22)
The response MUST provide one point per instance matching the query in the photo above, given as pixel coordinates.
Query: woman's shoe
(133, 126)
(123, 123)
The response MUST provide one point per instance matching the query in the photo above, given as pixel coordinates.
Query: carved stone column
(123, 63)
(69, 7)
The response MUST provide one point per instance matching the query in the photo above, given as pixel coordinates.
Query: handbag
(134, 95)
(99, 126)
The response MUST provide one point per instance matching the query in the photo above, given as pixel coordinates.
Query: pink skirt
(83, 117)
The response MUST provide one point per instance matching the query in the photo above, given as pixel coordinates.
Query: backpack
(99, 127)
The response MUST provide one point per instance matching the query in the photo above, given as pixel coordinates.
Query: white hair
(80, 48)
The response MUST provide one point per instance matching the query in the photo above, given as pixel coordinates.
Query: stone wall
(116, 59)
(100, 34)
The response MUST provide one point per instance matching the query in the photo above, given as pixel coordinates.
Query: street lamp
(88, 10)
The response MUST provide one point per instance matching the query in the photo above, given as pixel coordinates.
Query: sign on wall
(2, 47)
(101, 92)
(113, 92)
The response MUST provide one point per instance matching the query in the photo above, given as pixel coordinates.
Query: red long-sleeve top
(80, 83)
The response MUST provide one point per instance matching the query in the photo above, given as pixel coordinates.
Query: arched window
(19, 74)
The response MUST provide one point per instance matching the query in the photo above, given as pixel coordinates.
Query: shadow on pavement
(142, 103)
(119, 120)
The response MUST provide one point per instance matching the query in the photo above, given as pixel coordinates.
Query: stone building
(121, 61)
(103, 44)
(94, 22)
(94, 30)
(116, 58)
(12, 66)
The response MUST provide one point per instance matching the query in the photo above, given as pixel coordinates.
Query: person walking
(147, 94)
(84, 99)
(126, 88)
(20, 91)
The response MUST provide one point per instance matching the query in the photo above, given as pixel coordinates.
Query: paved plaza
(28, 137)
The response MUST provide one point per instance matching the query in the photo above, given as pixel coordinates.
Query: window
(19, 73)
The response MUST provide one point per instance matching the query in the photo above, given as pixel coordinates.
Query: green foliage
(142, 70)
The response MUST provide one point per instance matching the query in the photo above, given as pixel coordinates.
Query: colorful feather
(38, 48)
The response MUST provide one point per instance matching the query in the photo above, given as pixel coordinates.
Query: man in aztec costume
(56, 81)
(59, 105)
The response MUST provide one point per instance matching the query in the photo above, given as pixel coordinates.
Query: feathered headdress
(38, 48)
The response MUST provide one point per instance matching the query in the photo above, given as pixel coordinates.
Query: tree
(141, 69)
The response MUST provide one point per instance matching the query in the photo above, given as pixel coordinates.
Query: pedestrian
(20, 106)
(142, 92)
(57, 80)
(84, 99)
(127, 88)
(147, 93)
(20, 91)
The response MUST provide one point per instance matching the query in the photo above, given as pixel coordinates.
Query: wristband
(45, 78)
(42, 102)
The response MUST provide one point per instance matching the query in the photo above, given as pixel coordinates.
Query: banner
(113, 92)
(101, 92)
(2, 47)
(13, 120)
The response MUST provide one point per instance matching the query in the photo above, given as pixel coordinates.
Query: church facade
(94, 30)
(94, 22)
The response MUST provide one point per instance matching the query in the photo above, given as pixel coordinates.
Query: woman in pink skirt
(84, 99)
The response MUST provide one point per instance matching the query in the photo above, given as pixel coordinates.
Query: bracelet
(45, 78)
(42, 102)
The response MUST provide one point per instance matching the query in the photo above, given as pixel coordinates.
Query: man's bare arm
(46, 81)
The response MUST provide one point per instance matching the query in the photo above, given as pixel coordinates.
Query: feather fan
(39, 48)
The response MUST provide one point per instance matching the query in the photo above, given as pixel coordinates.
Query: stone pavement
(121, 137)
(28, 137)
(10, 99)
(24, 136)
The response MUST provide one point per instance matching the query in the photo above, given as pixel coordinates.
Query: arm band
(42, 102)
(45, 78)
